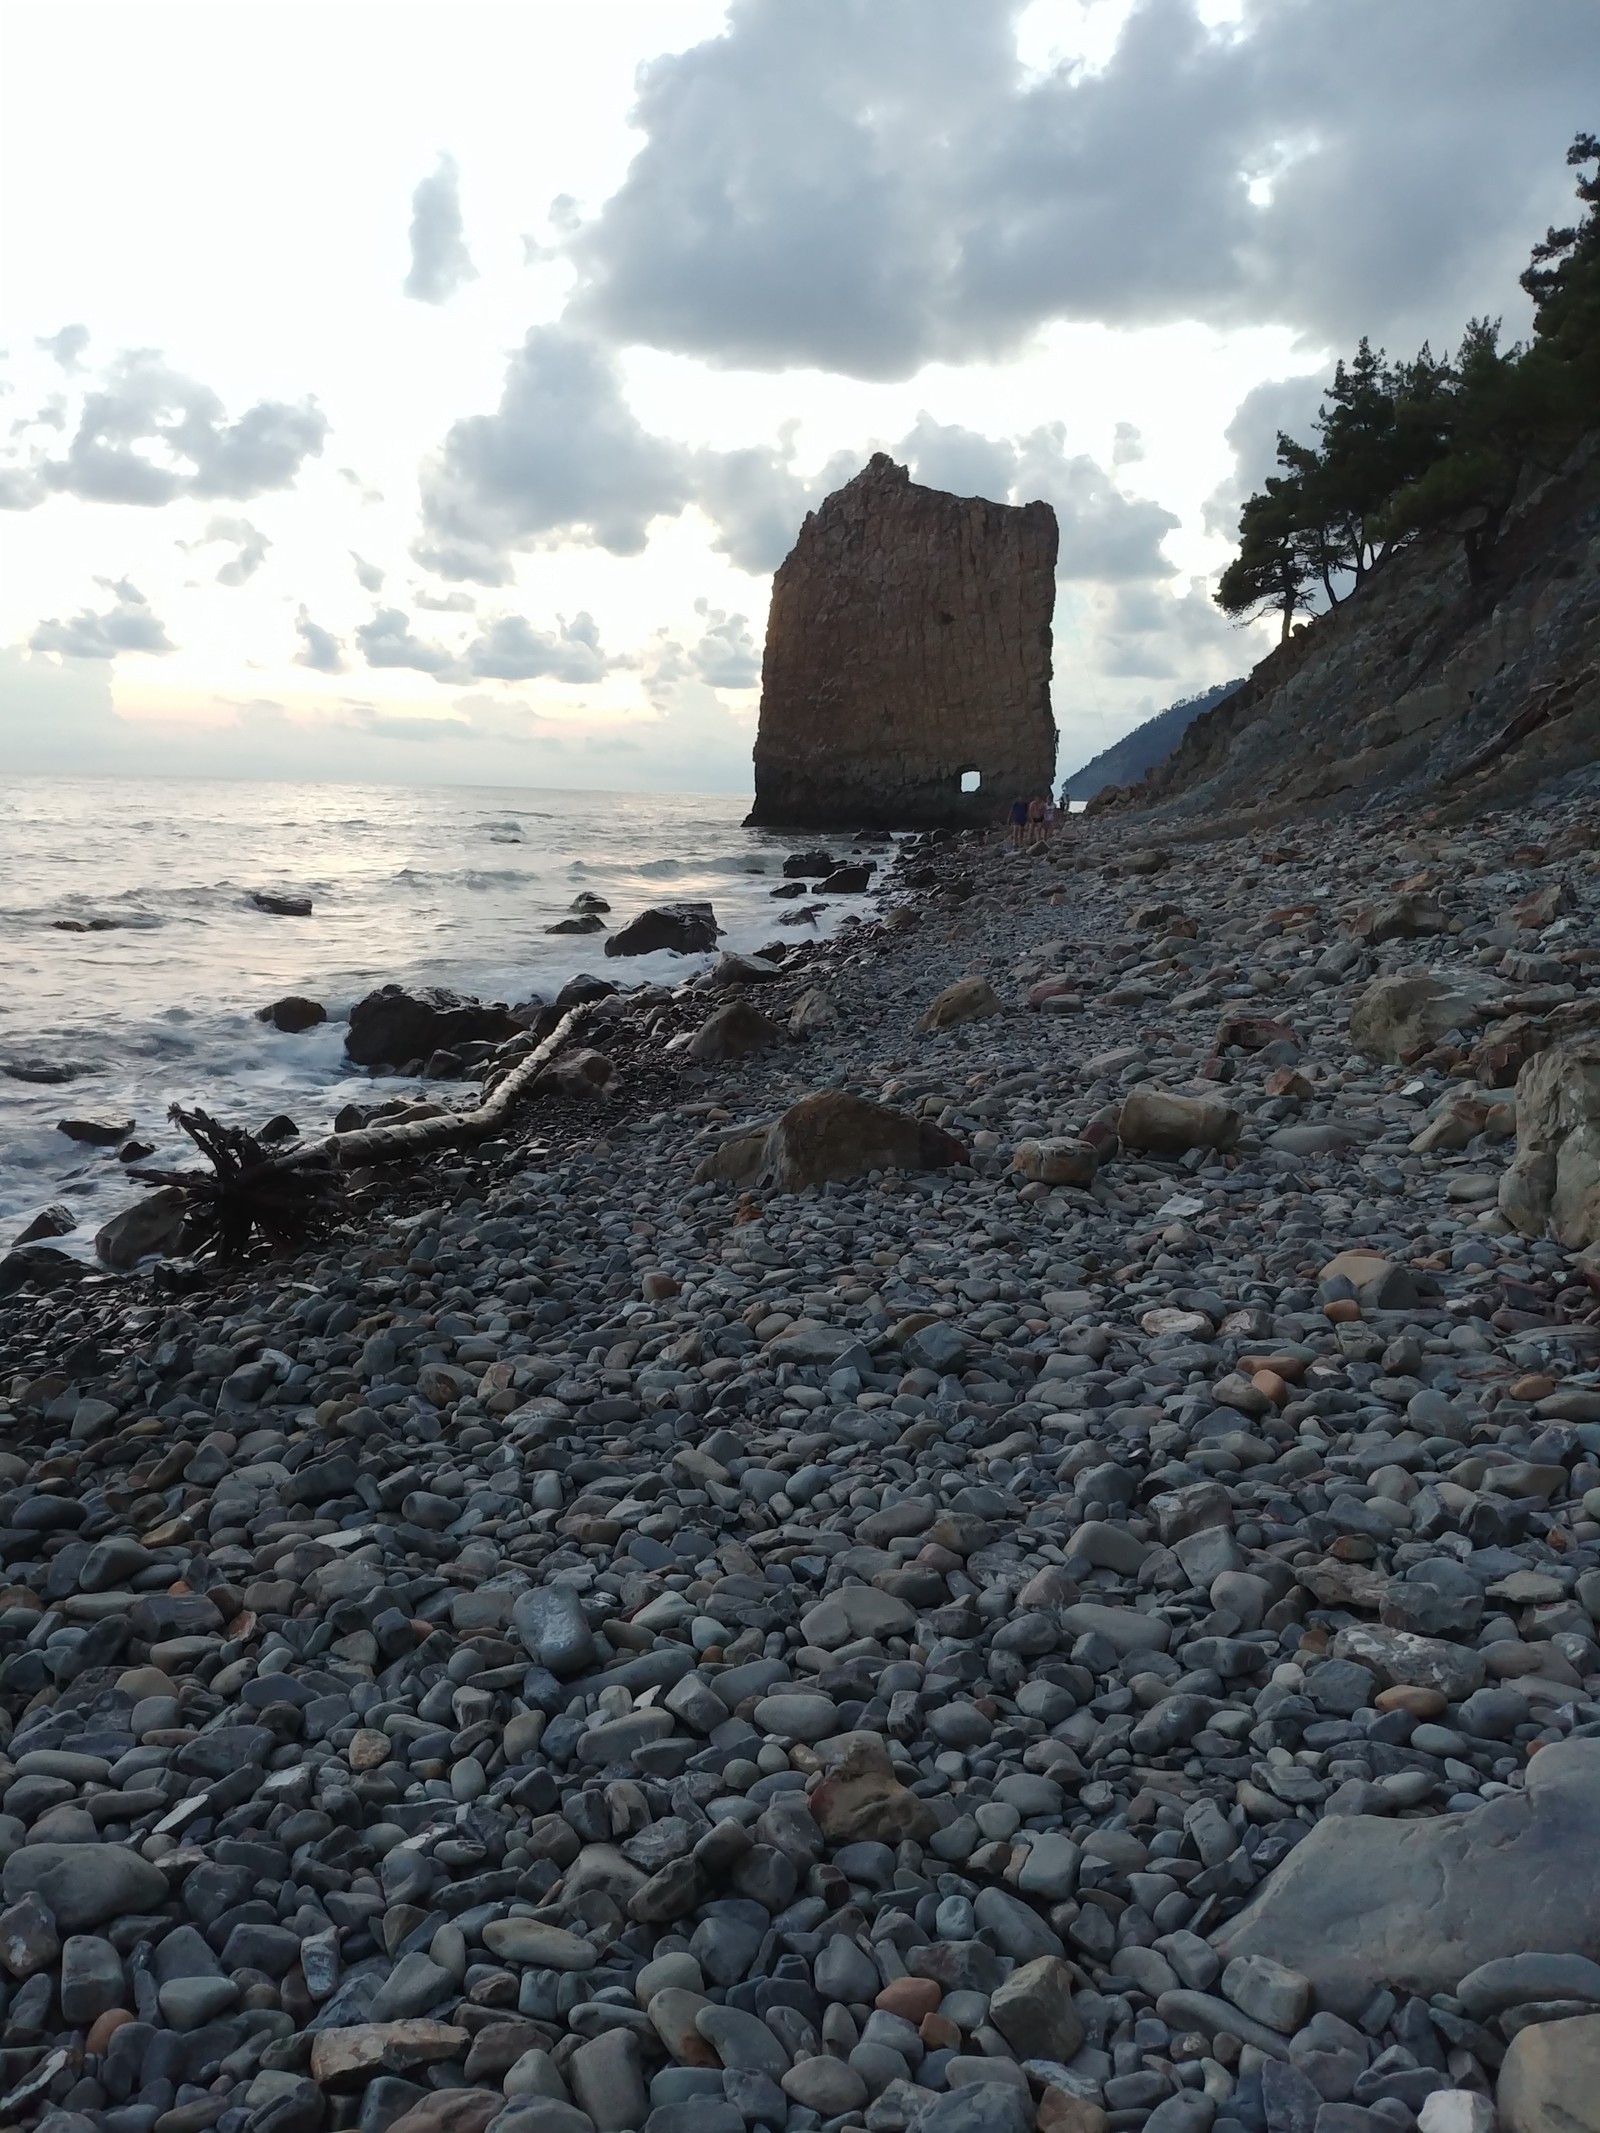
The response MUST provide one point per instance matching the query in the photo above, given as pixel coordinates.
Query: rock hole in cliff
(971, 780)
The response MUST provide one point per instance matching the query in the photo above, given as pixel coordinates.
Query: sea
(450, 886)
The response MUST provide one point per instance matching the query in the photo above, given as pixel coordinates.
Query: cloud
(440, 261)
(319, 649)
(563, 454)
(1142, 631)
(727, 656)
(368, 576)
(67, 346)
(458, 602)
(1128, 446)
(510, 649)
(1289, 404)
(1104, 534)
(127, 626)
(148, 435)
(564, 458)
(250, 542)
(867, 186)
(387, 641)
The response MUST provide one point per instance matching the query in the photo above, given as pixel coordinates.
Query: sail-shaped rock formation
(906, 681)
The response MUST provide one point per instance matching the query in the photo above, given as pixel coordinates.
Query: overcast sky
(428, 391)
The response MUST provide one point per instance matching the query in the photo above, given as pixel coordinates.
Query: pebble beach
(1053, 1587)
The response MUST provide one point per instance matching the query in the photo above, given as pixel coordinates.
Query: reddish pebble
(912, 1997)
(1421, 1703)
(105, 2028)
(1342, 1311)
(938, 2033)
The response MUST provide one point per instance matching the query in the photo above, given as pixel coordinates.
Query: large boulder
(392, 1026)
(1400, 1016)
(82, 1885)
(1550, 2082)
(1554, 1182)
(685, 929)
(965, 1001)
(1364, 1902)
(293, 1013)
(1169, 1124)
(732, 1032)
(832, 1135)
(150, 1226)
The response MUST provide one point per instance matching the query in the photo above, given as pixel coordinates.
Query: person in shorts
(1019, 823)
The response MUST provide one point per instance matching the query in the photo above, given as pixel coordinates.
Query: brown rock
(912, 1997)
(732, 1032)
(1554, 1181)
(832, 1135)
(1056, 1162)
(1550, 2082)
(908, 643)
(1061, 2113)
(346, 2058)
(1166, 1123)
(451, 2111)
(964, 1001)
(860, 1798)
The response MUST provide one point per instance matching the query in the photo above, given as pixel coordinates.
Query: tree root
(286, 1198)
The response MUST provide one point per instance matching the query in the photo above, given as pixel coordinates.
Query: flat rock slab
(1364, 1902)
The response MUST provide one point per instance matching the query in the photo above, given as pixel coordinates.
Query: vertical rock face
(908, 646)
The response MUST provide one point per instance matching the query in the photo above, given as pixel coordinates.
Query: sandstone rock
(861, 1800)
(733, 1032)
(1363, 1901)
(1399, 1016)
(686, 929)
(738, 1161)
(832, 1135)
(391, 1027)
(964, 1001)
(1056, 1162)
(1554, 1181)
(293, 1013)
(1165, 1123)
(347, 2058)
(1550, 2082)
(908, 642)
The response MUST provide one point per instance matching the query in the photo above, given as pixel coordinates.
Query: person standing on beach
(1036, 820)
(1019, 823)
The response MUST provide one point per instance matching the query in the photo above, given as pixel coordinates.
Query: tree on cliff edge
(1430, 446)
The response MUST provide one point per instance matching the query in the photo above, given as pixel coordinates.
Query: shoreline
(582, 1643)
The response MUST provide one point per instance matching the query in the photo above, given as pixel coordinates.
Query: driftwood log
(282, 1196)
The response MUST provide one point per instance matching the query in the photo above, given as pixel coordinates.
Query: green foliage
(1436, 444)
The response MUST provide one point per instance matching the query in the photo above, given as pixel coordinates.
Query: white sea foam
(423, 886)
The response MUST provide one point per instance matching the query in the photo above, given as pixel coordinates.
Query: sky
(423, 392)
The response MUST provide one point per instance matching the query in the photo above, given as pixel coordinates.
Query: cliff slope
(1417, 686)
(1140, 751)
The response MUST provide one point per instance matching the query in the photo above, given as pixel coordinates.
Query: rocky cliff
(908, 647)
(1417, 686)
